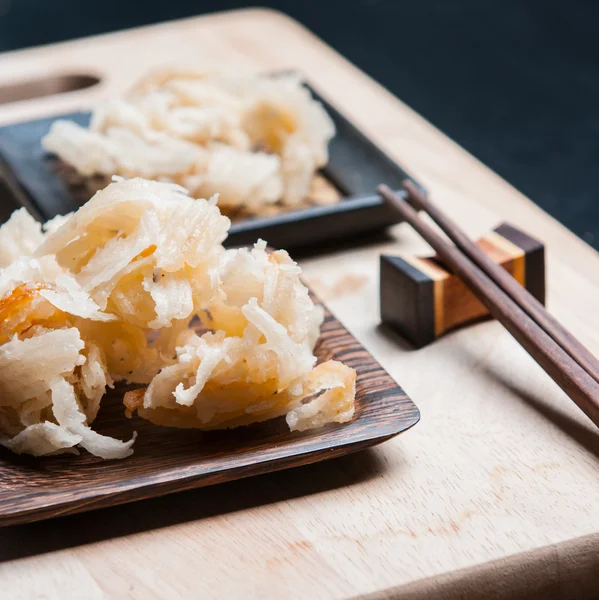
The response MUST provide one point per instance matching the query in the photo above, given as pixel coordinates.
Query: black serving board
(356, 166)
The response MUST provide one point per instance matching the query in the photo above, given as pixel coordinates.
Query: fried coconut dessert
(107, 294)
(256, 140)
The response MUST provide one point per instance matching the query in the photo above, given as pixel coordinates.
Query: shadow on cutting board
(585, 434)
(20, 541)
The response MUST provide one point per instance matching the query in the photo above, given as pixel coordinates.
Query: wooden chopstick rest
(553, 347)
(421, 299)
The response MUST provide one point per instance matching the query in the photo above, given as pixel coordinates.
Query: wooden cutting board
(501, 463)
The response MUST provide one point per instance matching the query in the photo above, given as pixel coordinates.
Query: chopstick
(580, 386)
(504, 280)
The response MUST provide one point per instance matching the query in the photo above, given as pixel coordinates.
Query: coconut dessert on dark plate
(287, 166)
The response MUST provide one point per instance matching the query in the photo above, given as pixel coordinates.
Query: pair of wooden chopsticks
(560, 354)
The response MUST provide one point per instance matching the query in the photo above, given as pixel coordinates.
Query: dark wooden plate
(356, 166)
(170, 460)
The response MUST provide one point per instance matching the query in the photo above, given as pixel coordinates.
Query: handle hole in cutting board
(45, 86)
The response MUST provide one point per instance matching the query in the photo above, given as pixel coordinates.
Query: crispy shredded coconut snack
(255, 140)
(107, 294)
(143, 251)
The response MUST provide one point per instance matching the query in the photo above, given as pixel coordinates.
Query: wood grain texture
(501, 462)
(169, 460)
(527, 576)
(563, 366)
(534, 263)
(559, 335)
(421, 299)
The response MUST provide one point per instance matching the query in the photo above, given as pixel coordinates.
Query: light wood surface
(501, 462)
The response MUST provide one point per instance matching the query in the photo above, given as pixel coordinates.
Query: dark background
(516, 82)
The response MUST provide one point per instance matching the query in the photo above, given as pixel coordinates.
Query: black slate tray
(356, 166)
